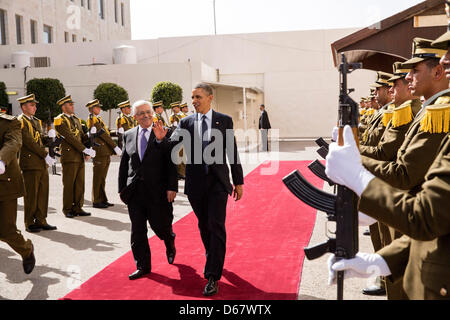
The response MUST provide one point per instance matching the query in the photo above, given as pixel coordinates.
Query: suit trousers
(36, 196)
(160, 218)
(265, 139)
(210, 209)
(73, 186)
(101, 166)
(8, 229)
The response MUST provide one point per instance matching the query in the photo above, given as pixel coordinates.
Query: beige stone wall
(62, 17)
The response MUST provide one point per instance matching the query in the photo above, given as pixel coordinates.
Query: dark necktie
(144, 143)
(205, 141)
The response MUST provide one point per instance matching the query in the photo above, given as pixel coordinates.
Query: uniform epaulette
(436, 119)
(402, 115)
(391, 107)
(387, 116)
(370, 112)
(58, 121)
(7, 117)
(362, 111)
(123, 120)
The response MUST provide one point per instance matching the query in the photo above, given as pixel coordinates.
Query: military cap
(382, 79)
(399, 72)
(66, 99)
(175, 104)
(157, 105)
(184, 105)
(444, 39)
(93, 103)
(29, 98)
(124, 104)
(423, 50)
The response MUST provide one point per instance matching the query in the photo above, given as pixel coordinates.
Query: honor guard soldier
(73, 154)
(105, 147)
(375, 127)
(185, 109)
(34, 162)
(12, 188)
(175, 119)
(177, 115)
(158, 107)
(125, 121)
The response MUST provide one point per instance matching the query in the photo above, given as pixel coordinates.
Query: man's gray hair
(206, 87)
(138, 104)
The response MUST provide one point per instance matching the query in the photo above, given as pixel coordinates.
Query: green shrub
(47, 91)
(110, 95)
(167, 92)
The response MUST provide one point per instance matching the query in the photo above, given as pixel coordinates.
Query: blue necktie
(144, 143)
(205, 141)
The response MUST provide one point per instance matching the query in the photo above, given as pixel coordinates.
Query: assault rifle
(319, 170)
(53, 143)
(323, 150)
(91, 142)
(342, 207)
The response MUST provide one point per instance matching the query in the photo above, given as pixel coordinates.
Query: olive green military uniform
(375, 129)
(394, 135)
(422, 255)
(35, 171)
(11, 186)
(72, 161)
(126, 122)
(102, 160)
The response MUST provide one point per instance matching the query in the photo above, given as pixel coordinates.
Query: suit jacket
(11, 182)
(264, 122)
(156, 169)
(422, 255)
(225, 147)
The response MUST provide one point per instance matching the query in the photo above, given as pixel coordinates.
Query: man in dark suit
(148, 184)
(208, 138)
(264, 126)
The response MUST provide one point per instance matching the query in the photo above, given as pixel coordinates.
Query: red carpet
(266, 232)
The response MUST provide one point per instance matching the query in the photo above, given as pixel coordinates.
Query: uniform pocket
(436, 280)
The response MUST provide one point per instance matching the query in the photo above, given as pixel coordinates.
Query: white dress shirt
(208, 121)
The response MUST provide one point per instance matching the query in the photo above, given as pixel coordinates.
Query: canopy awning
(377, 47)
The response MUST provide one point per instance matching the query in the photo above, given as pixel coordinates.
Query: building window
(2, 27)
(116, 11)
(74, 38)
(82, 3)
(89, 4)
(84, 39)
(66, 37)
(19, 33)
(101, 9)
(33, 29)
(122, 9)
(48, 34)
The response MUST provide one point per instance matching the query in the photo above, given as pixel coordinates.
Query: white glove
(363, 265)
(50, 161)
(118, 151)
(335, 134)
(93, 130)
(344, 165)
(121, 131)
(365, 220)
(2, 167)
(90, 152)
(52, 133)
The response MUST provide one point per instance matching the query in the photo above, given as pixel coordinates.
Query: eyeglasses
(143, 113)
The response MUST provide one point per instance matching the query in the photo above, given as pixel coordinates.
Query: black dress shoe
(138, 274)
(70, 215)
(212, 287)
(374, 291)
(30, 262)
(100, 205)
(83, 214)
(171, 251)
(34, 228)
(47, 227)
(109, 204)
